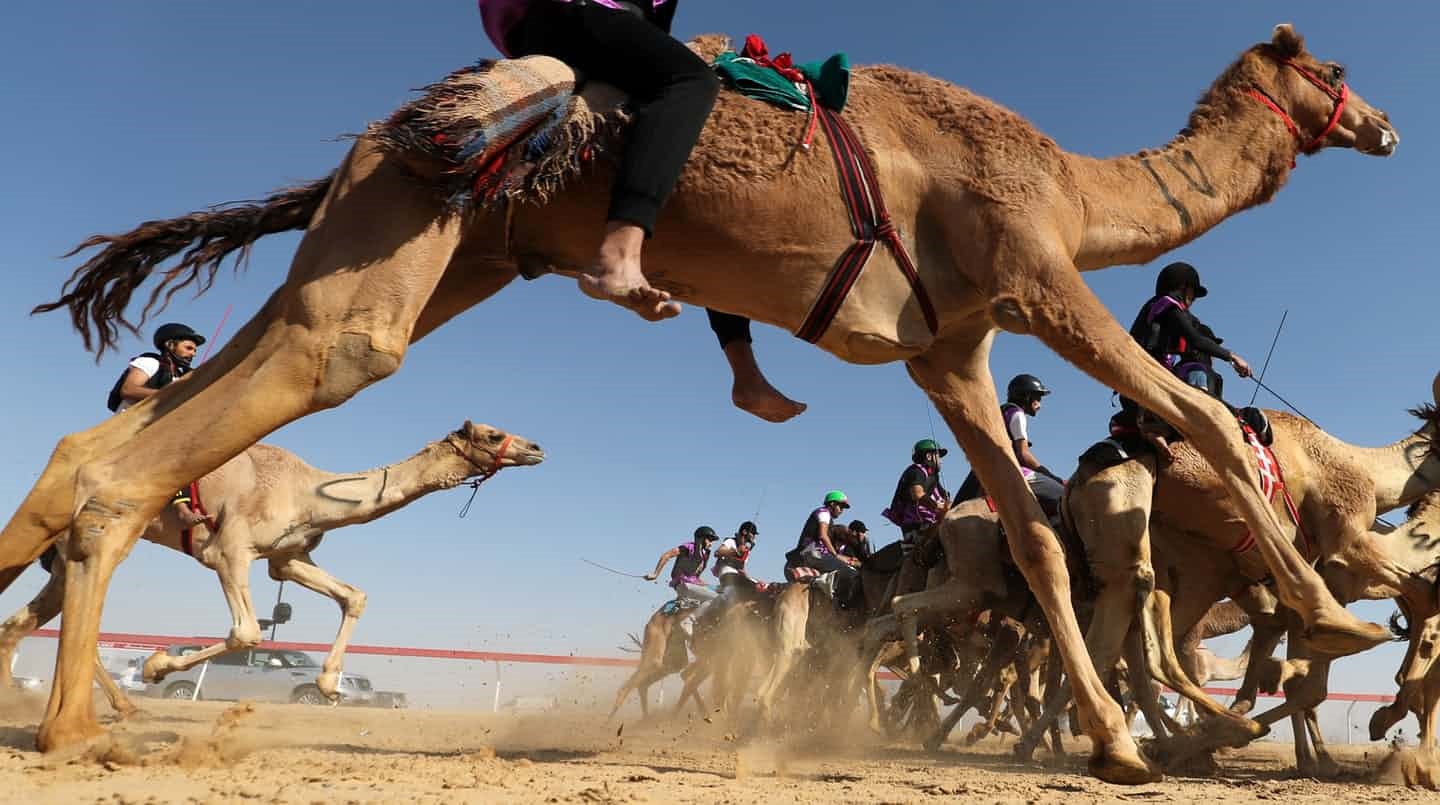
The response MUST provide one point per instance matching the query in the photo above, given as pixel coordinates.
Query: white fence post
(200, 681)
(1349, 730)
(495, 706)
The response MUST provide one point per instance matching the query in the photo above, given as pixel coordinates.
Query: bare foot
(651, 304)
(760, 398)
(1162, 447)
(616, 275)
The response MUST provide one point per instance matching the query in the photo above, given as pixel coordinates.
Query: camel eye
(1337, 73)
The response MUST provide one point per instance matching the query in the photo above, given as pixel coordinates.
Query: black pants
(672, 88)
(728, 327)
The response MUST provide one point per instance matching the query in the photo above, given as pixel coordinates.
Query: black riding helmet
(706, 534)
(174, 331)
(1023, 387)
(1178, 276)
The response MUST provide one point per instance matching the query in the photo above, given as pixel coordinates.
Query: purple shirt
(502, 17)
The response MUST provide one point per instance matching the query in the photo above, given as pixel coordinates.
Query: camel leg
(1004, 642)
(234, 575)
(1004, 685)
(957, 379)
(692, 678)
(1052, 302)
(302, 570)
(360, 279)
(953, 596)
(887, 653)
(119, 702)
(1163, 664)
(41, 610)
(792, 612)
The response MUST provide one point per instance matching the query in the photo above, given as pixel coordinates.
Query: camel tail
(99, 291)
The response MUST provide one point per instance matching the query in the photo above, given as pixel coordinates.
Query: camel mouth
(527, 457)
(1380, 141)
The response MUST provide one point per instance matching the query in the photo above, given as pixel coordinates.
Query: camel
(659, 658)
(1337, 490)
(1002, 222)
(268, 504)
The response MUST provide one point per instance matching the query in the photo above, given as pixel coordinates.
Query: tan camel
(1002, 221)
(266, 503)
(1419, 680)
(659, 657)
(1337, 489)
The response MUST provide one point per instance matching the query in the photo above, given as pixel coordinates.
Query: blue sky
(124, 112)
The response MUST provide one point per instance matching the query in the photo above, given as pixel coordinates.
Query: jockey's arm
(660, 565)
(1028, 460)
(134, 388)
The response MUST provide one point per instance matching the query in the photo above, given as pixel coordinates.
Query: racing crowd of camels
(1019, 619)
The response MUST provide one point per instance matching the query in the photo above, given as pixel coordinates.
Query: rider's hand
(651, 576)
(1241, 367)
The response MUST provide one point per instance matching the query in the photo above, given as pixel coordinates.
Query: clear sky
(118, 113)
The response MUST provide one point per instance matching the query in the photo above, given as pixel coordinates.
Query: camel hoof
(1381, 721)
(329, 684)
(1351, 636)
(1024, 752)
(1415, 768)
(56, 734)
(126, 712)
(1122, 767)
(156, 667)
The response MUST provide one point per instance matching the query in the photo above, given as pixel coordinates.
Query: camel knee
(352, 603)
(350, 362)
(1010, 314)
(243, 636)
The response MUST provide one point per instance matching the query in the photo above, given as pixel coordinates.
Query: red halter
(1339, 96)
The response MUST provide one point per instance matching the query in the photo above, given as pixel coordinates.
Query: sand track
(204, 751)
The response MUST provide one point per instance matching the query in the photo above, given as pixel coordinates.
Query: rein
(1339, 96)
(483, 474)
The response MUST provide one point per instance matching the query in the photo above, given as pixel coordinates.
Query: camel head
(1313, 96)
(481, 445)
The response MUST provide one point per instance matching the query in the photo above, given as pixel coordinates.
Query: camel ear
(1287, 41)
(468, 428)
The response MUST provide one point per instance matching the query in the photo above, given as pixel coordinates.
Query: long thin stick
(1273, 342)
(612, 570)
(216, 336)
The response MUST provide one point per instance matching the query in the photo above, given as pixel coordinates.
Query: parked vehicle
(259, 674)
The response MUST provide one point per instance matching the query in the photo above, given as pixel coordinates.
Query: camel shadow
(22, 738)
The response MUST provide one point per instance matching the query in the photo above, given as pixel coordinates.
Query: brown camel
(266, 503)
(1337, 490)
(1001, 220)
(659, 657)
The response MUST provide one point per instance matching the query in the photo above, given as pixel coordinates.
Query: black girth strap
(870, 223)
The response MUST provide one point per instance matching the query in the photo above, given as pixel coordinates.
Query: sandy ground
(208, 752)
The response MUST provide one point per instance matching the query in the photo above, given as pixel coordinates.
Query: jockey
(816, 550)
(175, 347)
(626, 44)
(1171, 334)
(1024, 395)
(690, 560)
(920, 500)
(735, 583)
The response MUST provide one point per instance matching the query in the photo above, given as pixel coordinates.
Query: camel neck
(1402, 471)
(1140, 206)
(346, 499)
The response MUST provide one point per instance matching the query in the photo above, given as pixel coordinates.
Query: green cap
(836, 496)
(929, 446)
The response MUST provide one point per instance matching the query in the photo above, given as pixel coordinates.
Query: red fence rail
(149, 642)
